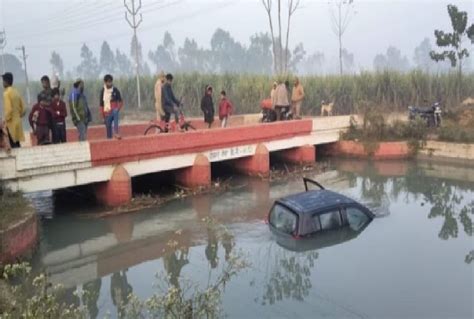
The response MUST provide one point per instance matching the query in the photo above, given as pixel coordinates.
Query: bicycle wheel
(153, 130)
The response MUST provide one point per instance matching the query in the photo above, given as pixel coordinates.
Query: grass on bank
(13, 207)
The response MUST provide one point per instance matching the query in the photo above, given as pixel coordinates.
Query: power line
(93, 21)
(149, 27)
(24, 56)
(134, 11)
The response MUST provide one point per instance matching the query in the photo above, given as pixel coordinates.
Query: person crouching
(110, 105)
(59, 114)
(40, 119)
(225, 109)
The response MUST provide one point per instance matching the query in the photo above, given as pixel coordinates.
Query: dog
(326, 107)
(468, 101)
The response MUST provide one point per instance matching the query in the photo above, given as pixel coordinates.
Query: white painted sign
(231, 153)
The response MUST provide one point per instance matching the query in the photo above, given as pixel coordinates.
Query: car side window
(356, 218)
(330, 220)
(283, 219)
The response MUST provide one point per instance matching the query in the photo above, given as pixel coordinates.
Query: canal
(414, 260)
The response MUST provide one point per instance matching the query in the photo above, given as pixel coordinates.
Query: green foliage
(33, 297)
(452, 42)
(389, 91)
(375, 129)
(13, 206)
(451, 132)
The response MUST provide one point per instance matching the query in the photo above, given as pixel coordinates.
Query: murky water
(414, 261)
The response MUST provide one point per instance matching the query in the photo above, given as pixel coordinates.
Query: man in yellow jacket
(297, 98)
(14, 110)
(160, 113)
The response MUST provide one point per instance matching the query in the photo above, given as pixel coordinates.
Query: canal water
(415, 260)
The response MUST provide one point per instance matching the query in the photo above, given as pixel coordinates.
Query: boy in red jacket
(225, 109)
(59, 112)
(40, 119)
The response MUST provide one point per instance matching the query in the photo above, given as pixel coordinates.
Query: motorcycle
(432, 115)
(270, 115)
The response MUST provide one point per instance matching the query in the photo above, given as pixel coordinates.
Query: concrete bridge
(109, 165)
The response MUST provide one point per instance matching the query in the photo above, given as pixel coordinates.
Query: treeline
(392, 91)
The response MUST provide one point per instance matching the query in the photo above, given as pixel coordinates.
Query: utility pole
(24, 56)
(134, 24)
(3, 44)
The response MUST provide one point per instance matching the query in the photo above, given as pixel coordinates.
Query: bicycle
(184, 125)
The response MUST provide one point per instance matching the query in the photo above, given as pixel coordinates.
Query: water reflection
(120, 290)
(420, 180)
(90, 297)
(178, 241)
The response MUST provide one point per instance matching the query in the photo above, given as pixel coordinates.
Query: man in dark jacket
(40, 119)
(170, 102)
(79, 109)
(59, 112)
(207, 106)
(47, 91)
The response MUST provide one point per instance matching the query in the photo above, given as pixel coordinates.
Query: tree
(392, 60)
(107, 58)
(453, 42)
(227, 54)
(164, 55)
(296, 57)
(313, 64)
(89, 68)
(281, 56)
(124, 65)
(192, 57)
(259, 54)
(57, 64)
(342, 12)
(347, 60)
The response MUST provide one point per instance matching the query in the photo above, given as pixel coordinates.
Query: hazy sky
(63, 25)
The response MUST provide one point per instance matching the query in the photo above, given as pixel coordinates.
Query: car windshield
(283, 219)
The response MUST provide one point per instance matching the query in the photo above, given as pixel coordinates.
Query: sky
(64, 25)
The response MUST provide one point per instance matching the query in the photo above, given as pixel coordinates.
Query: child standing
(59, 112)
(41, 119)
(225, 109)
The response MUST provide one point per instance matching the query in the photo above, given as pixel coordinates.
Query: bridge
(110, 165)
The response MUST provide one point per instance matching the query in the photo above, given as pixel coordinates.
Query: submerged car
(313, 212)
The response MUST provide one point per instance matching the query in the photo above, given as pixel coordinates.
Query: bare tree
(293, 5)
(280, 57)
(342, 12)
(268, 7)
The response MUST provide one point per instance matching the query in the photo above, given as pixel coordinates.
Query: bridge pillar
(198, 175)
(256, 165)
(117, 191)
(305, 154)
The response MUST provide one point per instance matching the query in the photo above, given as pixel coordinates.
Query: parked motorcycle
(431, 114)
(270, 115)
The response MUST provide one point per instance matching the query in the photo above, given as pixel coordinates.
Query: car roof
(315, 201)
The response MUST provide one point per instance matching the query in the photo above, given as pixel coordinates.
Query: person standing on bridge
(170, 102)
(280, 100)
(225, 109)
(59, 111)
(110, 105)
(207, 106)
(81, 115)
(297, 97)
(160, 113)
(47, 91)
(14, 110)
(40, 119)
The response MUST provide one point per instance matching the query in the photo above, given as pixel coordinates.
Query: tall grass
(391, 91)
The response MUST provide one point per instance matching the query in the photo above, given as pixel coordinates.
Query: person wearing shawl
(207, 106)
(110, 106)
